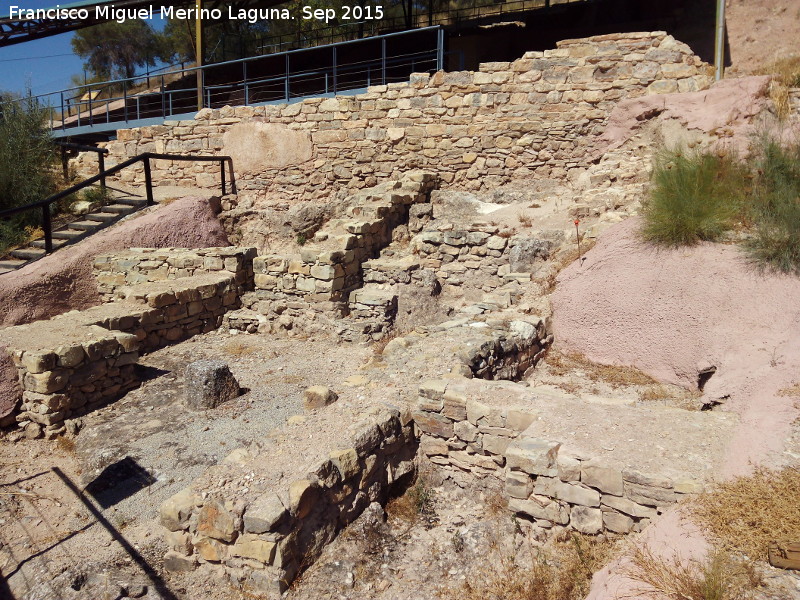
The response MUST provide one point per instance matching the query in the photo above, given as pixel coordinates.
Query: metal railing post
(244, 78)
(163, 99)
(47, 226)
(286, 83)
(440, 50)
(334, 70)
(101, 165)
(148, 181)
(222, 175)
(90, 106)
(383, 61)
(125, 98)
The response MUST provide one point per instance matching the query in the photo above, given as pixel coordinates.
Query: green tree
(26, 163)
(115, 50)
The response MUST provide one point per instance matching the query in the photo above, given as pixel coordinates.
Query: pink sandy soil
(728, 108)
(64, 280)
(671, 313)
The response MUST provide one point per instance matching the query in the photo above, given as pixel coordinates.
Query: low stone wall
(181, 308)
(262, 535)
(544, 479)
(371, 315)
(142, 265)
(78, 361)
(509, 120)
(308, 291)
(66, 370)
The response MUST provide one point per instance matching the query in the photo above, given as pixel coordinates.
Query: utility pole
(719, 42)
(198, 49)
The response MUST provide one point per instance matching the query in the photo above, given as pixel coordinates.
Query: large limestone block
(533, 456)
(256, 146)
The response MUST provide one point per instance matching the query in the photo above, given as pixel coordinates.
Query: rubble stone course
(508, 120)
(548, 480)
(80, 360)
(262, 534)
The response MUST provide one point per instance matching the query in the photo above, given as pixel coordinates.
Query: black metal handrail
(145, 158)
(101, 163)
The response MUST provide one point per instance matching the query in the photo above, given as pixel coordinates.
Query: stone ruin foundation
(260, 524)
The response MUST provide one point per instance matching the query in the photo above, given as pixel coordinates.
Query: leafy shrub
(776, 206)
(695, 196)
(26, 165)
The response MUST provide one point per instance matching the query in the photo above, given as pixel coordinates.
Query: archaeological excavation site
(422, 343)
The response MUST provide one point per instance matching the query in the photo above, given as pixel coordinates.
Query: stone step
(68, 234)
(86, 225)
(4, 270)
(137, 202)
(28, 253)
(57, 243)
(102, 217)
(120, 209)
(11, 264)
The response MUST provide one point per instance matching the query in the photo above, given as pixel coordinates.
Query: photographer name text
(252, 15)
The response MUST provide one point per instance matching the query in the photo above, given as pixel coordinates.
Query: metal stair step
(103, 217)
(120, 209)
(28, 253)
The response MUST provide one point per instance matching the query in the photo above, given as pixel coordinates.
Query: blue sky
(45, 65)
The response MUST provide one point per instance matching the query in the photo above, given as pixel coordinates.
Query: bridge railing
(278, 77)
(145, 158)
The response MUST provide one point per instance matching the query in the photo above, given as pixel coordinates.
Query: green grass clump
(776, 207)
(695, 196)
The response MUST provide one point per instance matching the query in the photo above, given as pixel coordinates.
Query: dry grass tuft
(560, 571)
(563, 363)
(237, 347)
(416, 503)
(525, 219)
(786, 74)
(65, 444)
(719, 577)
(746, 513)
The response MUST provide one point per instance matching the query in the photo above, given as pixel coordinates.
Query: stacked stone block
(81, 360)
(544, 480)
(509, 120)
(371, 315)
(144, 265)
(314, 285)
(263, 537)
(66, 369)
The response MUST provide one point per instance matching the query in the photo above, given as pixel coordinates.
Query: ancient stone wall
(263, 535)
(544, 480)
(80, 360)
(142, 265)
(294, 291)
(477, 129)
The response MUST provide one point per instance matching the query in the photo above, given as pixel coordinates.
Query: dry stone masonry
(144, 265)
(554, 480)
(80, 360)
(262, 526)
(509, 120)
(311, 289)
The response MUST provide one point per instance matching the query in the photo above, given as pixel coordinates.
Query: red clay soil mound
(672, 313)
(728, 106)
(64, 281)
